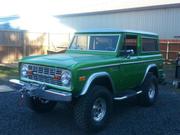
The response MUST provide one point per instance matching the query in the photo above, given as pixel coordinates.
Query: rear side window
(130, 43)
(149, 44)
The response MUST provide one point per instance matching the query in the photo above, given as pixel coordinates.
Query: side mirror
(127, 53)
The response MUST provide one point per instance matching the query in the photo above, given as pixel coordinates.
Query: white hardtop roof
(116, 31)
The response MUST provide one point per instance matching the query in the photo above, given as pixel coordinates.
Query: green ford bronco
(98, 68)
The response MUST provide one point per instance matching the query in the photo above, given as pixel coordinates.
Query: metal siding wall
(165, 22)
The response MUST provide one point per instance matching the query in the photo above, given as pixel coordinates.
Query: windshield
(95, 42)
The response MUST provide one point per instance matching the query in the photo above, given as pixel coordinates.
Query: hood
(66, 60)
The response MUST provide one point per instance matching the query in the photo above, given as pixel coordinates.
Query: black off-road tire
(37, 105)
(149, 90)
(84, 107)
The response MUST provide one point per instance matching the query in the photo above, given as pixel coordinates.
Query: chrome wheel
(99, 109)
(152, 91)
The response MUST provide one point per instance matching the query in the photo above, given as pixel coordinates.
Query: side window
(149, 44)
(130, 43)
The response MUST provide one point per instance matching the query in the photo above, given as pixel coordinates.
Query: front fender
(92, 78)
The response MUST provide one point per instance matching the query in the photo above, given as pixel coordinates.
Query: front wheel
(92, 111)
(39, 105)
(149, 90)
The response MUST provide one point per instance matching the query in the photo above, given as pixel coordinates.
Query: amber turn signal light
(82, 78)
(56, 77)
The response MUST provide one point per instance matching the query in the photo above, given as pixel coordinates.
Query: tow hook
(22, 93)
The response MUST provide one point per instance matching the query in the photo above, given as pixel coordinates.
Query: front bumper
(40, 90)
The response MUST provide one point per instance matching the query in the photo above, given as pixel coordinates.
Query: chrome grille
(45, 74)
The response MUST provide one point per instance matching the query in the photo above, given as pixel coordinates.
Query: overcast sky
(38, 15)
(55, 7)
(51, 7)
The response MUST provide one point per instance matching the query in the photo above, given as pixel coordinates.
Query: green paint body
(125, 72)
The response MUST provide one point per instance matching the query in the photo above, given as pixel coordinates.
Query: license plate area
(33, 86)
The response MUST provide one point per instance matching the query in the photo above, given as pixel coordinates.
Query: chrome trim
(45, 74)
(49, 84)
(148, 56)
(139, 92)
(91, 79)
(139, 61)
(120, 98)
(101, 66)
(147, 70)
(57, 93)
(17, 82)
(118, 64)
(127, 96)
(39, 90)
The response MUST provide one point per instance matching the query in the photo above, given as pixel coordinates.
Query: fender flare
(92, 78)
(147, 70)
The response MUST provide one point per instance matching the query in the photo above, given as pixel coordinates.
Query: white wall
(165, 22)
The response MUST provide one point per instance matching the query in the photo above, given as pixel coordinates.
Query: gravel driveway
(128, 118)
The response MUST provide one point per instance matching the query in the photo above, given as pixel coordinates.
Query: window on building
(149, 44)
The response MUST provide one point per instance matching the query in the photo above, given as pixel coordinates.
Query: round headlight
(24, 70)
(66, 78)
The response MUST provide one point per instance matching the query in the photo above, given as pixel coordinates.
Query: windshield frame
(89, 34)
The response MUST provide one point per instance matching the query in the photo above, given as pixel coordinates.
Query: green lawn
(8, 72)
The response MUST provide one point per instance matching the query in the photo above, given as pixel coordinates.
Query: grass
(8, 72)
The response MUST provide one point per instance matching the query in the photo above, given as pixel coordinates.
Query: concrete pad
(5, 88)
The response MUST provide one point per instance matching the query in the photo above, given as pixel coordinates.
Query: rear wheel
(149, 90)
(92, 111)
(39, 105)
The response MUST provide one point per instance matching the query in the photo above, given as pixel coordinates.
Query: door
(129, 62)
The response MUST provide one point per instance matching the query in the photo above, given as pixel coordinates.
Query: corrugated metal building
(162, 19)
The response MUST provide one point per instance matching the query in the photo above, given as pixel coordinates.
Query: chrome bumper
(40, 90)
